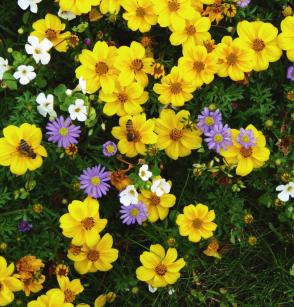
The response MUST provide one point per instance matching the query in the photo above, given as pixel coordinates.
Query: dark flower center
(140, 12)
(175, 88)
(176, 134)
(122, 97)
(190, 30)
(161, 269)
(198, 66)
(69, 296)
(173, 5)
(137, 65)
(51, 34)
(154, 200)
(101, 68)
(258, 44)
(232, 59)
(246, 152)
(88, 223)
(197, 223)
(93, 255)
(75, 250)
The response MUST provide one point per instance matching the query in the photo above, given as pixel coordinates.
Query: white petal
(42, 111)
(280, 187)
(283, 196)
(45, 58)
(23, 4)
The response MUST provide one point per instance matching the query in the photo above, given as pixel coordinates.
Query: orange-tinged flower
(212, 249)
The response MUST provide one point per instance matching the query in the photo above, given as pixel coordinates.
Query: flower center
(157, 70)
(137, 65)
(176, 134)
(134, 212)
(246, 152)
(38, 51)
(289, 189)
(245, 138)
(258, 44)
(140, 12)
(93, 255)
(161, 269)
(95, 180)
(218, 138)
(101, 68)
(51, 34)
(88, 223)
(232, 59)
(75, 250)
(24, 72)
(190, 30)
(63, 131)
(173, 5)
(197, 223)
(77, 110)
(198, 66)
(175, 88)
(154, 200)
(122, 97)
(62, 272)
(209, 121)
(69, 296)
(110, 149)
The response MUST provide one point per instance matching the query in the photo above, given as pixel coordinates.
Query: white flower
(24, 4)
(160, 187)
(151, 289)
(3, 67)
(25, 74)
(68, 92)
(78, 110)
(287, 191)
(171, 291)
(45, 105)
(67, 15)
(144, 173)
(39, 50)
(128, 196)
(82, 85)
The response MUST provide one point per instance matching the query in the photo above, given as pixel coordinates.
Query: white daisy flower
(24, 4)
(287, 191)
(46, 105)
(78, 110)
(39, 50)
(160, 187)
(3, 67)
(144, 173)
(128, 196)
(25, 74)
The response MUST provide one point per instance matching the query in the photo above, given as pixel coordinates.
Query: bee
(130, 131)
(26, 149)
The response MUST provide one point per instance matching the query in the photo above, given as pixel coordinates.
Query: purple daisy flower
(243, 3)
(24, 226)
(134, 213)
(109, 149)
(94, 181)
(290, 73)
(219, 137)
(246, 138)
(63, 132)
(208, 119)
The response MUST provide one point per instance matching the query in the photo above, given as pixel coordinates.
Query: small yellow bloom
(33, 284)
(51, 28)
(53, 297)
(21, 149)
(83, 223)
(70, 288)
(78, 7)
(248, 218)
(196, 222)
(37, 208)
(71, 150)
(157, 70)
(174, 136)
(230, 10)
(252, 240)
(286, 38)
(100, 301)
(61, 270)
(133, 133)
(159, 268)
(214, 11)
(212, 249)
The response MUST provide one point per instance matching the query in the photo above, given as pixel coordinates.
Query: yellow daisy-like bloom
(173, 12)
(174, 136)
(193, 32)
(20, 148)
(139, 14)
(124, 100)
(70, 288)
(196, 222)
(33, 284)
(230, 10)
(51, 28)
(261, 38)
(97, 67)
(53, 297)
(133, 133)
(157, 206)
(157, 71)
(95, 258)
(174, 89)
(246, 158)
(234, 59)
(8, 282)
(133, 64)
(199, 65)
(82, 223)
(214, 11)
(78, 7)
(286, 38)
(159, 268)
(110, 6)
(61, 270)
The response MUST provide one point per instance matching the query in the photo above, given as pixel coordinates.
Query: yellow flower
(133, 133)
(230, 10)
(248, 218)
(214, 11)
(51, 28)
(53, 297)
(157, 70)
(159, 268)
(110, 6)
(158, 206)
(286, 38)
(246, 158)
(176, 138)
(33, 284)
(61, 270)
(196, 222)
(133, 64)
(124, 100)
(193, 32)
(78, 7)
(100, 301)
(28, 265)
(174, 89)
(173, 12)
(261, 38)
(97, 257)
(8, 282)
(70, 288)
(97, 67)
(139, 14)
(252, 240)
(198, 65)
(82, 223)
(20, 148)
(212, 249)
(234, 59)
